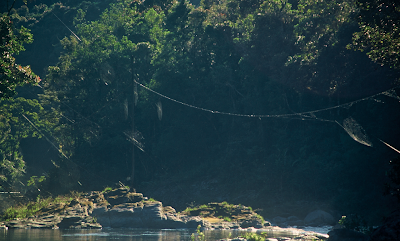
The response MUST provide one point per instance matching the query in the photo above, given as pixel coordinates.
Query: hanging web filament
(356, 131)
(159, 110)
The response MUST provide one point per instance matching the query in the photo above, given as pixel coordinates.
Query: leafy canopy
(379, 34)
(11, 43)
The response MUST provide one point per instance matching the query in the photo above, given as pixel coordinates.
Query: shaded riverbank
(120, 208)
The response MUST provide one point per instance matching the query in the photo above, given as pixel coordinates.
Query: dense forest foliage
(254, 101)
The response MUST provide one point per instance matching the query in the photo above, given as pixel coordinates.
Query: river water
(119, 234)
(101, 235)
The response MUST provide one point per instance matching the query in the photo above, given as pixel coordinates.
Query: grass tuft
(31, 208)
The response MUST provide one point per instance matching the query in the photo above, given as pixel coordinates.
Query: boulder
(319, 218)
(344, 234)
(122, 191)
(253, 222)
(174, 221)
(193, 222)
(149, 214)
(125, 198)
(101, 215)
(267, 224)
(124, 217)
(70, 222)
(152, 215)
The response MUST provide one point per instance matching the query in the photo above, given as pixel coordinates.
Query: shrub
(254, 236)
(107, 189)
(27, 210)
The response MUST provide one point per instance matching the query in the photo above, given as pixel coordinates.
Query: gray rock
(113, 200)
(225, 225)
(126, 198)
(101, 215)
(91, 226)
(70, 222)
(319, 218)
(124, 217)
(267, 224)
(121, 208)
(193, 222)
(152, 214)
(174, 222)
(254, 222)
(117, 192)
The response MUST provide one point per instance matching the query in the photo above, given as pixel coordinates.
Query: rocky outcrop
(228, 216)
(136, 211)
(148, 214)
(121, 208)
(74, 215)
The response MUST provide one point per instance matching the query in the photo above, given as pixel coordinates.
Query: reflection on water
(323, 229)
(108, 234)
(132, 234)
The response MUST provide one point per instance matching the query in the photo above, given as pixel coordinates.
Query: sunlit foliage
(11, 43)
(379, 34)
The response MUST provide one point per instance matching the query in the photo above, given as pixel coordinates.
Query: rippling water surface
(107, 234)
(121, 234)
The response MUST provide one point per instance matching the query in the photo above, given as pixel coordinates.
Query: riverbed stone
(267, 224)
